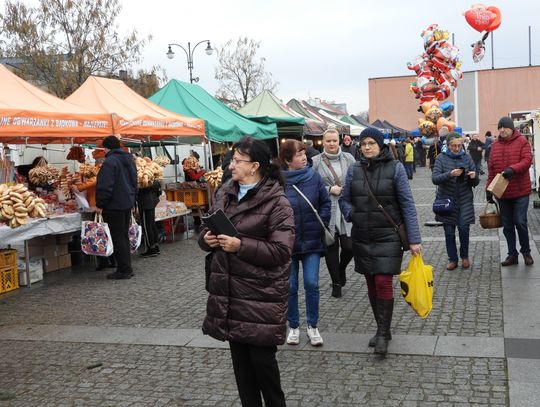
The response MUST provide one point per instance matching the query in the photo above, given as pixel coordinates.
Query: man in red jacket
(511, 155)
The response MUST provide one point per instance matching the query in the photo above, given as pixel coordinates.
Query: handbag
(417, 285)
(328, 236)
(96, 237)
(400, 229)
(443, 206)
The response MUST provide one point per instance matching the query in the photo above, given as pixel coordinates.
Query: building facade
(481, 98)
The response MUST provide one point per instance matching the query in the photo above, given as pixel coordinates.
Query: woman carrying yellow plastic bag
(417, 285)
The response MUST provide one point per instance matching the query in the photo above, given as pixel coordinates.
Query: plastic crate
(8, 258)
(9, 279)
(191, 197)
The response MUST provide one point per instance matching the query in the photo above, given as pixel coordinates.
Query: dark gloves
(508, 173)
(489, 197)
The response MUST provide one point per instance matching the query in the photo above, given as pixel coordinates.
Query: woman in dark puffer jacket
(376, 244)
(454, 174)
(249, 274)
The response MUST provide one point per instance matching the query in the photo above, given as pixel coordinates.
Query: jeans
(450, 238)
(409, 169)
(310, 270)
(514, 216)
(478, 167)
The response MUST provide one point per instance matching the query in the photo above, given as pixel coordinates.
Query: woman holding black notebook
(248, 279)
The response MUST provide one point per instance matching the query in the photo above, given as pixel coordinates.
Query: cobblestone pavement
(168, 292)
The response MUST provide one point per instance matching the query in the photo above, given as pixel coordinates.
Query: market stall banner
(132, 114)
(31, 115)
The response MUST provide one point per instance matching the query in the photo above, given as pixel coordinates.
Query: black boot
(373, 339)
(336, 290)
(385, 309)
(342, 276)
(373, 303)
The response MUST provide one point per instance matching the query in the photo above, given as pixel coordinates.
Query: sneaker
(294, 336)
(314, 336)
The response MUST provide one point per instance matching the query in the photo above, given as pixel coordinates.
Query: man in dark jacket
(116, 190)
(511, 155)
(475, 151)
(349, 147)
(147, 200)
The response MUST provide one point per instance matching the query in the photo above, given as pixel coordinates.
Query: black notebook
(219, 224)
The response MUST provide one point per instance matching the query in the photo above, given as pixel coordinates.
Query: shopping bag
(498, 185)
(96, 237)
(135, 234)
(81, 199)
(417, 285)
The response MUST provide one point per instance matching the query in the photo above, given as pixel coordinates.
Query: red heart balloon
(496, 21)
(480, 19)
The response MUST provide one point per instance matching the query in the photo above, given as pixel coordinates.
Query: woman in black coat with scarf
(454, 174)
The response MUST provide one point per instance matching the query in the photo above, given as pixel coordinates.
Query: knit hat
(346, 138)
(506, 122)
(111, 142)
(452, 136)
(374, 134)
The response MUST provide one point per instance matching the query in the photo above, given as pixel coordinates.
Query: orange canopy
(133, 115)
(31, 115)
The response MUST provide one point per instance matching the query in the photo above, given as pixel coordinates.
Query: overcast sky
(325, 49)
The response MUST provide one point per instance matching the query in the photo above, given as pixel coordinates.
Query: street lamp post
(189, 54)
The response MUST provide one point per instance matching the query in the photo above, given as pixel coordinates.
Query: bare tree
(61, 42)
(240, 74)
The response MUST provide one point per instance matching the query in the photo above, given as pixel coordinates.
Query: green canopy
(222, 123)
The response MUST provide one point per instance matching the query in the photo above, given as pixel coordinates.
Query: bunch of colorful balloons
(438, 68)
(436, 120)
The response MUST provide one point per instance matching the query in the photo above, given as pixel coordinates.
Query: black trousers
(335, 262)
(118, 222)
(149, 228)
(256, 371)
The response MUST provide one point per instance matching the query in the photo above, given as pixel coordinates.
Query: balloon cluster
(482, 18)
(436, 118)
(438, 68)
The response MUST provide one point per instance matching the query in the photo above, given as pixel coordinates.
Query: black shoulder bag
(400, 229)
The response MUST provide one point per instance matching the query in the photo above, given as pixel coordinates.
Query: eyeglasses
(368, 143)
(235, 161)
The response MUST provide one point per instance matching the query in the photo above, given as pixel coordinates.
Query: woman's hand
(229, 244)
(211, 240)
(416, 249)
(456, 172)
(336, 190)
(471, 174)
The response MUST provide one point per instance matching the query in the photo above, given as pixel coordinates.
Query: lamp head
(209, 49)
(170, 53)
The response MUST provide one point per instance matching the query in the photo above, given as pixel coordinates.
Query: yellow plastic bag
(417, 285)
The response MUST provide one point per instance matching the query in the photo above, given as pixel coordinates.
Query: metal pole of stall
(530, 57)
(175, 165)
(492, 53)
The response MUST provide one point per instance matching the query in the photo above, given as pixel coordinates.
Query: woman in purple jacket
(248, 280)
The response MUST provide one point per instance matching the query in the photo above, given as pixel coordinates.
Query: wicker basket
(491, 220)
